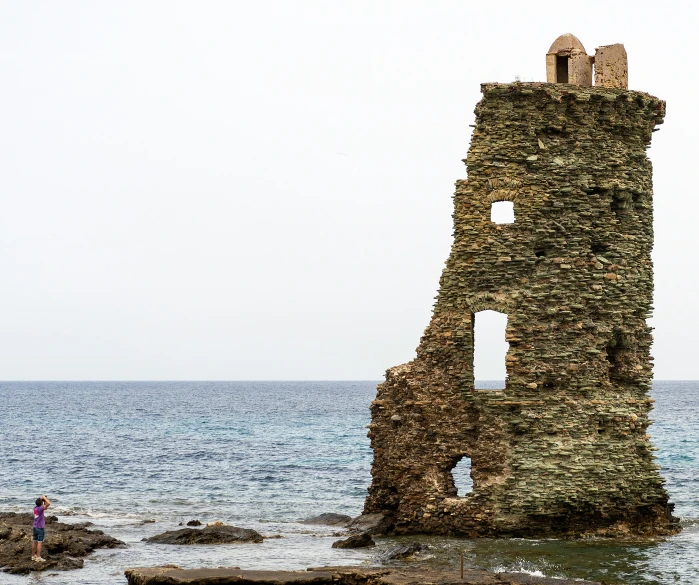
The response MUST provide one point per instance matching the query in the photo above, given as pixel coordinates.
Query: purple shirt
(39, 521)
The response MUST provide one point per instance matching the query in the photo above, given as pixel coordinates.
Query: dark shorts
(38, 534)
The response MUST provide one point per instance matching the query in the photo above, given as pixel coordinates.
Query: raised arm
(47, 503)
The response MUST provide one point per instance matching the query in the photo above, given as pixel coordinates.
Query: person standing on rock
(38, 529)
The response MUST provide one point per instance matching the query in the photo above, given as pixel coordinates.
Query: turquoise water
(264, 455)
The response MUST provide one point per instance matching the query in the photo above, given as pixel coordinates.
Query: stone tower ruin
(563, 449)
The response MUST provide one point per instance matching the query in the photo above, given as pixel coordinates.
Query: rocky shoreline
(171, 575)
(67, 544)
(63, 550)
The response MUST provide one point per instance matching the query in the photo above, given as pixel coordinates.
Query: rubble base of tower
(563, 450)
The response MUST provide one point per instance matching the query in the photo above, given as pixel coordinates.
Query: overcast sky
(262, 189)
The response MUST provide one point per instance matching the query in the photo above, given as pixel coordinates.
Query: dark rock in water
(329, 519)
(371, 523)
(194, 523)
(355, 541)
(218, 534)
(402, 551)
(63, 547)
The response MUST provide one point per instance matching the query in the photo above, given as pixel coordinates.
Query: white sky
(262, 190)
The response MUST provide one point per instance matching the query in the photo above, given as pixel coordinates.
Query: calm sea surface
(137, 458)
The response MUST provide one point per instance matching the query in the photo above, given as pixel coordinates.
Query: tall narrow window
(561, 69)
(489, 350)
(502, 212)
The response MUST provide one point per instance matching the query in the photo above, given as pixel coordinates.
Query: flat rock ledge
(63, 548)
(329, 519)
(213, 534)
(333, 576)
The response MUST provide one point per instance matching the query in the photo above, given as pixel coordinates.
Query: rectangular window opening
(561, 69)
(489, 350)
(502, 212)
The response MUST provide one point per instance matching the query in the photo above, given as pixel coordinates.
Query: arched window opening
(489, 350)
(461, 474)
(502, 212)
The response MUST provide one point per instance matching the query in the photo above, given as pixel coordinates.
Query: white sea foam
(535, 573)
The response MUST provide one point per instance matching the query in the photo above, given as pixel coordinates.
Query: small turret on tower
(567, 62)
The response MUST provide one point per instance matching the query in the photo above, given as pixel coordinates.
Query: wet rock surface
(402, 551)
(355, 541)
(64, 547)
(375, 523)
(329, 519)
(214, 534)
(333, 576)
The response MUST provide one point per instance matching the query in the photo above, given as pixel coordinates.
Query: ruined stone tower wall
(563, 449)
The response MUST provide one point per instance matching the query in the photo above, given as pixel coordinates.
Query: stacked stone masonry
(563, 450)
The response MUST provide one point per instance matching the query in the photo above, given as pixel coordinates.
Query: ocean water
(138, 458)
